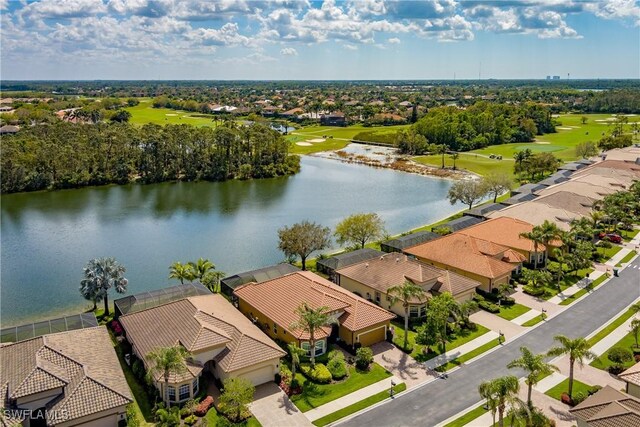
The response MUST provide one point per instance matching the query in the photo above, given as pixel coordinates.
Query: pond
(47, 237)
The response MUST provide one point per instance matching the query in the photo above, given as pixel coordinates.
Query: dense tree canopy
(65, 155)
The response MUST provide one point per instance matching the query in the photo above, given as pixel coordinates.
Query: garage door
(369, 338)
(260, 375)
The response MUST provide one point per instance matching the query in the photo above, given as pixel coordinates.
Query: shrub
(338, 368)
(565, 399)
(619, 356)
(319, 373)
(578, 398)
(534, 292)
(335, 354)
(490, 307)
(364, 357)
(190, 420)
(188, 408)
(594, 389)
(138, 369)
(116, 327)
(203, 407)
(132, 420)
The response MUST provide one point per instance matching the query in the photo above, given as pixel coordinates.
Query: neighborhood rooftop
(336, 262)
(44, 327)
(402, 242)
(609, 408)
(144, 300)
(259, 275)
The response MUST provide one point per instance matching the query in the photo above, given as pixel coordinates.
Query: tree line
(65, 155)
(480, 125)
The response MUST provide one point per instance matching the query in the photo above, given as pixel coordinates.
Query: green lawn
(314, 395)
(510, 312)
(341, 136)
(608, 253)
(351, 409)
(628, 341)
(468, 356)
(628, 234)
(417, 353)
(533, 321)
(561, 144)
(563, 387)
(468, 417)
(566, 282)
(581, 292)
(626, 258)
(610, 327)
(144, 113)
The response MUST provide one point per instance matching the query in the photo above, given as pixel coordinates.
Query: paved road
(435, 402)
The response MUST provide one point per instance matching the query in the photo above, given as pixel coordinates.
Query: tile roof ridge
(39, 364)
(67, 397)
(209, 326)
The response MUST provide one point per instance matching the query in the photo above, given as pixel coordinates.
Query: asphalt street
(436, 401)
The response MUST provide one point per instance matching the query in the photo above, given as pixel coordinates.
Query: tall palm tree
(534, 365)
(596, 217)
(454, 156)
(442, 149)
(500, 393)
(310, 320)
(577, 349)
(201, 267)
(405, 293)
(295, 352)
(549, 232)
(167, 361)
(536, 237)
(181, 271)
(102, 274)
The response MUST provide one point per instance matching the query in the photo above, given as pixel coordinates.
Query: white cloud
(227, 35)
(289, 51)
(394, 40)
(4, 4)
(63, 8)
(350, 46)
(616, 9)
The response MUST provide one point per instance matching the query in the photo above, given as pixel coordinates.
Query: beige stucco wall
(362, 289)
(633, 390)
(38, 400)
(258, 374)
(486, 283)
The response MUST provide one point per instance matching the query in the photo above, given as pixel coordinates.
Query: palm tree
(405, 293)
(577, 349)
(441, 149)
(309, 320)
(454, 156)
(536, 237)
(201, 267)
(535, 366)
(166, 361)
(466, 308)
(500, 392)
(549, 231)
(295, 353)
(102, 274)
(181, 271)
(596, 217)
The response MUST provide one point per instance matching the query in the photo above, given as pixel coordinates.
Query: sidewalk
(497, 324)
(526, 317)
(610, 340)
(577, 287)
(459, 351)
(350, 399)
(618, 257)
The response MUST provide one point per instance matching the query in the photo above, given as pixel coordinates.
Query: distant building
(333, 119)
(556, 77)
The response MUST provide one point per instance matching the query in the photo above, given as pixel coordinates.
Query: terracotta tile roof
(81, 361)
(609, 408)
(631, 375)
(394, 269)
(465, 253)
(503, 231)
(583, 188)
(279, 298)
(201, 323)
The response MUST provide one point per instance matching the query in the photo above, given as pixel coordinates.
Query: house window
(275, 328)
(185, 393)
(377, 296)
(172, 393)
(194, 386)
(368, 296)
(414, 311)
(319, 347)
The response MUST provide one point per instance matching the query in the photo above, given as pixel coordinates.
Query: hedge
(319, 374)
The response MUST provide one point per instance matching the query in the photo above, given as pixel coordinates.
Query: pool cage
(37, 329)
(144, 300)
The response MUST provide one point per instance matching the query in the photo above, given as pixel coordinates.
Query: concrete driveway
(272, 407)
(497, 324)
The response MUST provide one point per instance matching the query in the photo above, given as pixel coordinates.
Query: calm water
(47, 237)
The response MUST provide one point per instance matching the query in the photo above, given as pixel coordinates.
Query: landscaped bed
(314, 395)
(464, 337)
(603, 362)
(578, 388)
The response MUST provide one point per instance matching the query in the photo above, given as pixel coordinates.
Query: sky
(318, 40)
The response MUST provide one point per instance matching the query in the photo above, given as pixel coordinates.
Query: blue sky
(288, 39)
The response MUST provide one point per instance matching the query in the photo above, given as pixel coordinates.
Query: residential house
(582, 188)
(329, 265)
(608, 408)
(630, 154)
(273, 304)
(400, 243)
(66, 379)
(229, 284)
(9, 129)
(483, 211)
(632, 378)
(478, 259)
(372, 280)
(219, 338)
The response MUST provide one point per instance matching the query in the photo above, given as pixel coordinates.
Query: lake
(47, 237)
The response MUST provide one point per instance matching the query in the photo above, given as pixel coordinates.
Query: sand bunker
(170, 114)
(317, 140)
(564, 128)
(303, 144)
(542, 142)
